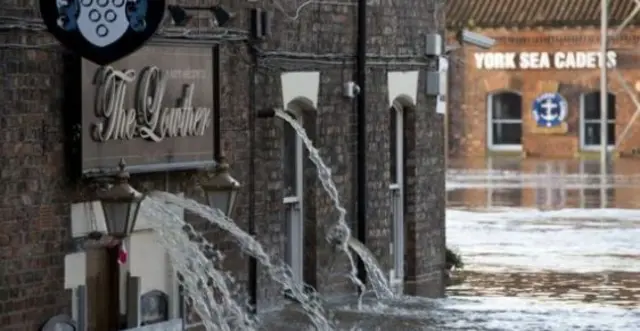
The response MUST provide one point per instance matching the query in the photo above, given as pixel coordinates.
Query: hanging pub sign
(153, 109)
(102, 31)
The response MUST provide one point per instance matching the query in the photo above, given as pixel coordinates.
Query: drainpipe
(217, 144)
(253, 262)
(361, 168)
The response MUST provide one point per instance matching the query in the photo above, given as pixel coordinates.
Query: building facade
(536, 91)
(50, 150)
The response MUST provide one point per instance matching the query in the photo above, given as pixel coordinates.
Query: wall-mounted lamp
(180, 16)
(221, 189)
(120, 204)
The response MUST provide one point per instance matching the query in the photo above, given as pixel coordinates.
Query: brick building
(303, 67)
(544, 51)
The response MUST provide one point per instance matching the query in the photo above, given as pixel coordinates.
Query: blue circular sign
(549, 110)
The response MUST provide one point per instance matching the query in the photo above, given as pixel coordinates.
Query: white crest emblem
(102, 22)
(549, 109)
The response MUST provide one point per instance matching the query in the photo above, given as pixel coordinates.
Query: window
(505, 121)
(293, 196)
(396, 169)
(590, 120)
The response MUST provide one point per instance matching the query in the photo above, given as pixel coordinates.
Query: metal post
(604, 20)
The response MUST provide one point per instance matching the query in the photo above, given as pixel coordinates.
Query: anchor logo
(549, 110)
(102, 31)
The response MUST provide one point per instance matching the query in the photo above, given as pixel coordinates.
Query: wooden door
(101, 295)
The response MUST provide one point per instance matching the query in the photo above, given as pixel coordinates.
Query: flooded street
(548, 245)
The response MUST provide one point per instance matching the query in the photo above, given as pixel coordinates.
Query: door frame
(294, 204)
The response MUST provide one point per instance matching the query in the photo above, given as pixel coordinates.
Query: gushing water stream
(340, 232)
(211, 292)
(206, 287)
(186, 249)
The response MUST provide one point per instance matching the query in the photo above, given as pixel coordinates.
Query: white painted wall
(149, 261)
(300, 84)
(147, 258)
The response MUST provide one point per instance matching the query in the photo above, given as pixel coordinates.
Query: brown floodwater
(548, 245)
(548, 232)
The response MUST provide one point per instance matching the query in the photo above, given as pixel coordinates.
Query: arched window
(396, 155)
(293, 158)
(504, 125)
(590, 120)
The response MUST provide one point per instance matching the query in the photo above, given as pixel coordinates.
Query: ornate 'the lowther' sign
(153, 108)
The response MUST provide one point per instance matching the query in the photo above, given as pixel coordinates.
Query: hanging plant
(453, 260)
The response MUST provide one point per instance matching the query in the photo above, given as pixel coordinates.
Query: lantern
(120, 204)
(221, 189)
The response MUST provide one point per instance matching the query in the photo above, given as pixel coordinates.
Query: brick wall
(35, 196)
(333, 125)
(467, 110)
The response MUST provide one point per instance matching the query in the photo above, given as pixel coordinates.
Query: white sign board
(542, 60)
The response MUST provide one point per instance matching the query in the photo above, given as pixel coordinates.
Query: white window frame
(490, 121)
(396, 246)
(294, 250)
(583, 122)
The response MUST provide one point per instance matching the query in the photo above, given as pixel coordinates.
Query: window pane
(289, 160)
(611, 111)
(288, 230)
(591, 134)
(611, 133)
(507, 134)
(592, 106)
(506, 106)
(393, 152)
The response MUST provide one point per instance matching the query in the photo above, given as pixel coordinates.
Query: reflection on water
(616, 288)
(548, 232)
